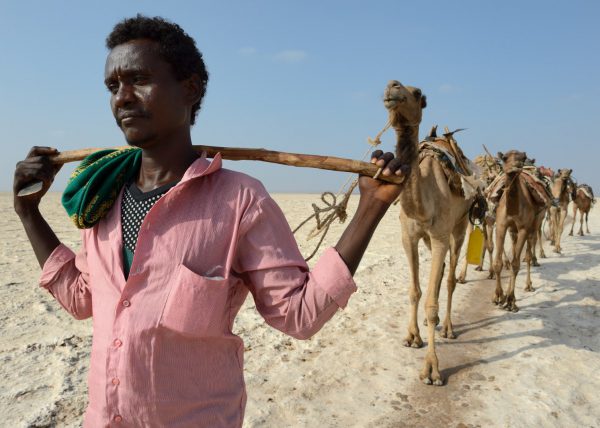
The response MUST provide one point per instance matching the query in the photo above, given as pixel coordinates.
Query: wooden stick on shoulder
(330, 163)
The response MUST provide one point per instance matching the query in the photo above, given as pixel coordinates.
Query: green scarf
(96, 183)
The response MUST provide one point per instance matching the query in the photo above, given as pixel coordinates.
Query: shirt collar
(201, 167)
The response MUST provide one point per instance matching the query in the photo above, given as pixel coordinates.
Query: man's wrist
(373, 204)
(28, 213)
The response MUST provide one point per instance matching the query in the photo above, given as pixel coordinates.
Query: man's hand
(376, 196)
(35, 167)
(380, 190)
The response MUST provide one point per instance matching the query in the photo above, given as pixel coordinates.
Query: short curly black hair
(175, 46)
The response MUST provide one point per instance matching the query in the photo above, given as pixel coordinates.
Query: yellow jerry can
(475, 248)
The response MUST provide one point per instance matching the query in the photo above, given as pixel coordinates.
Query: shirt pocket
(197, 306)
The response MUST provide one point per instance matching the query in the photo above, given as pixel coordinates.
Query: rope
(335, 210)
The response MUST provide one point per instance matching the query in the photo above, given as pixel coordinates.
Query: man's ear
(193, 88)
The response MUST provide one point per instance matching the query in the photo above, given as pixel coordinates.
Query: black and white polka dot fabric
(134, 208)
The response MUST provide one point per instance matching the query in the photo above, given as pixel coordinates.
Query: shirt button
(117, 343)
(116, 381)
(118, 418)
(126, 303)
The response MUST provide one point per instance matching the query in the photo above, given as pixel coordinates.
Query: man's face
(148, 103)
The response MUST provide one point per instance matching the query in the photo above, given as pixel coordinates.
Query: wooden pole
(292, 159)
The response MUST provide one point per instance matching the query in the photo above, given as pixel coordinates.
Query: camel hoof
(461, 280)
(499, 300)
(448, 335)
(535, 264)
(510, 307)
(570, 233)
(490, 275)
(478, 268)
(435, 382)
(413, 342)
(542, 256)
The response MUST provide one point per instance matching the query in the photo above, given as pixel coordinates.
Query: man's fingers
(388, 164)
(384, 159)
(42, 151)
(376, 155)
(393, 167)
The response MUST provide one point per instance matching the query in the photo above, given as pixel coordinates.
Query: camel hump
(587, 190)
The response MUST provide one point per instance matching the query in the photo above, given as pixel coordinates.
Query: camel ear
(433, 132)
(570, 171)
(423, 101)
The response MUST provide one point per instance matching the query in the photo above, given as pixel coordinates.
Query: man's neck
(164, 163)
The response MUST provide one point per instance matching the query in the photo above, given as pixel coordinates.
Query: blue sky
(308, 77)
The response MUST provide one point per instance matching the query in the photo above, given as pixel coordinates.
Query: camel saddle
(587, 190)
(539, 188)
(461, 182)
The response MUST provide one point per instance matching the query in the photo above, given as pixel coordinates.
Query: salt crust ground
(536, 368)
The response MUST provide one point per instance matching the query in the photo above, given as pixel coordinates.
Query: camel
(430, 209)
(490, 170)
(583, 201)
(541, 174)
(519, 212)
(562, 189)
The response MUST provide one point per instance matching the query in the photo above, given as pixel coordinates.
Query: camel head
(513, 161)
(568, 184)
(564, 174)
(405, 104)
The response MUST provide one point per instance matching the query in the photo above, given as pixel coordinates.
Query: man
(166, 270)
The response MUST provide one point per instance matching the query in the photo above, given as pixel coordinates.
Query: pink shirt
(163, 353)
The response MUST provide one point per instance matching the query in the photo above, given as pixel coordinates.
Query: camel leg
(411, 249)
(574, 217)
(499, 296)
(437, 321)
(586, 222)
(551, 220)
(456, 241)
(430, 373)
(427, 241)
(562, 215)
(513, 240)
(541, 242)
(462, 276)
(489, 239)
(479, 267)
(533, 257)
(580, 223)
(511, 302)
(529, 260)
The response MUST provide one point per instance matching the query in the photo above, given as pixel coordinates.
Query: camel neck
(407, 150)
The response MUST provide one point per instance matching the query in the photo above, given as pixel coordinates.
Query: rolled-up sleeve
(65, 275)
(290, 298)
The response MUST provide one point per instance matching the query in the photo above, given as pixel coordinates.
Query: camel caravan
(448, 197)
